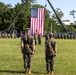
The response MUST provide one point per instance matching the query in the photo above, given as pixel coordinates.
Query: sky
(64, 5)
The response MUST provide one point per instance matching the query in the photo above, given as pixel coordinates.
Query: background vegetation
(11, 60)
(7, 14)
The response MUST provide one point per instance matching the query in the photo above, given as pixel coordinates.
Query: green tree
(55, 26)
(5, 15)
(2, 5)
(23, 19)
(23, 1)
(59, 13)
(73, 14)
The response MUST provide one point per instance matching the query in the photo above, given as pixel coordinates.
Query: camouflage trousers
(49, 63)
(27, 60)
(39, 41)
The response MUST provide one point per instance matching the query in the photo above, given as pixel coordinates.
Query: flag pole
(51, 28)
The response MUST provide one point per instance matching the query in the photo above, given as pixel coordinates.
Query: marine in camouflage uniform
(50, 53)
(39, 38)
(27, 47)
(35, 38)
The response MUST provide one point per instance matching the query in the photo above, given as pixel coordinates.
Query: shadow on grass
(22, 72)
(11, 71)
(39, 73)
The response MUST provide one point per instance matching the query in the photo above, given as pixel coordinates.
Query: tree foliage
(59, 13)
(5, 15)
(23, 19)
(8, 13)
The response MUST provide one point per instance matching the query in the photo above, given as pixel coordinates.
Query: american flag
(37, 21)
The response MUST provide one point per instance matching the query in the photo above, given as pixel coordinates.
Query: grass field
(11, 60)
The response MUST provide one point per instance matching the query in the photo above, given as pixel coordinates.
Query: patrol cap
(51, 35)
(27, 29)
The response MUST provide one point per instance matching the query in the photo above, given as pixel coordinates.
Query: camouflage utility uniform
(50, 53)
(39, 38)
(27, 50)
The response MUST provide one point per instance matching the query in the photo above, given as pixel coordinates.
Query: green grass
(11, 60)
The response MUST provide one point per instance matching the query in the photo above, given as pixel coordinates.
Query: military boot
(48, 72)
(25, 71)
(29, 71)
(52, 72)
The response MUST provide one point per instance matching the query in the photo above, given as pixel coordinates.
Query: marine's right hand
(33, 52)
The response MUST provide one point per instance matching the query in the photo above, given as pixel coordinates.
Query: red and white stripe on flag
(37, 21)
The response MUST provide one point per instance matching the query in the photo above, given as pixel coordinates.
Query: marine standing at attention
(27, 47)
(50, 53)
